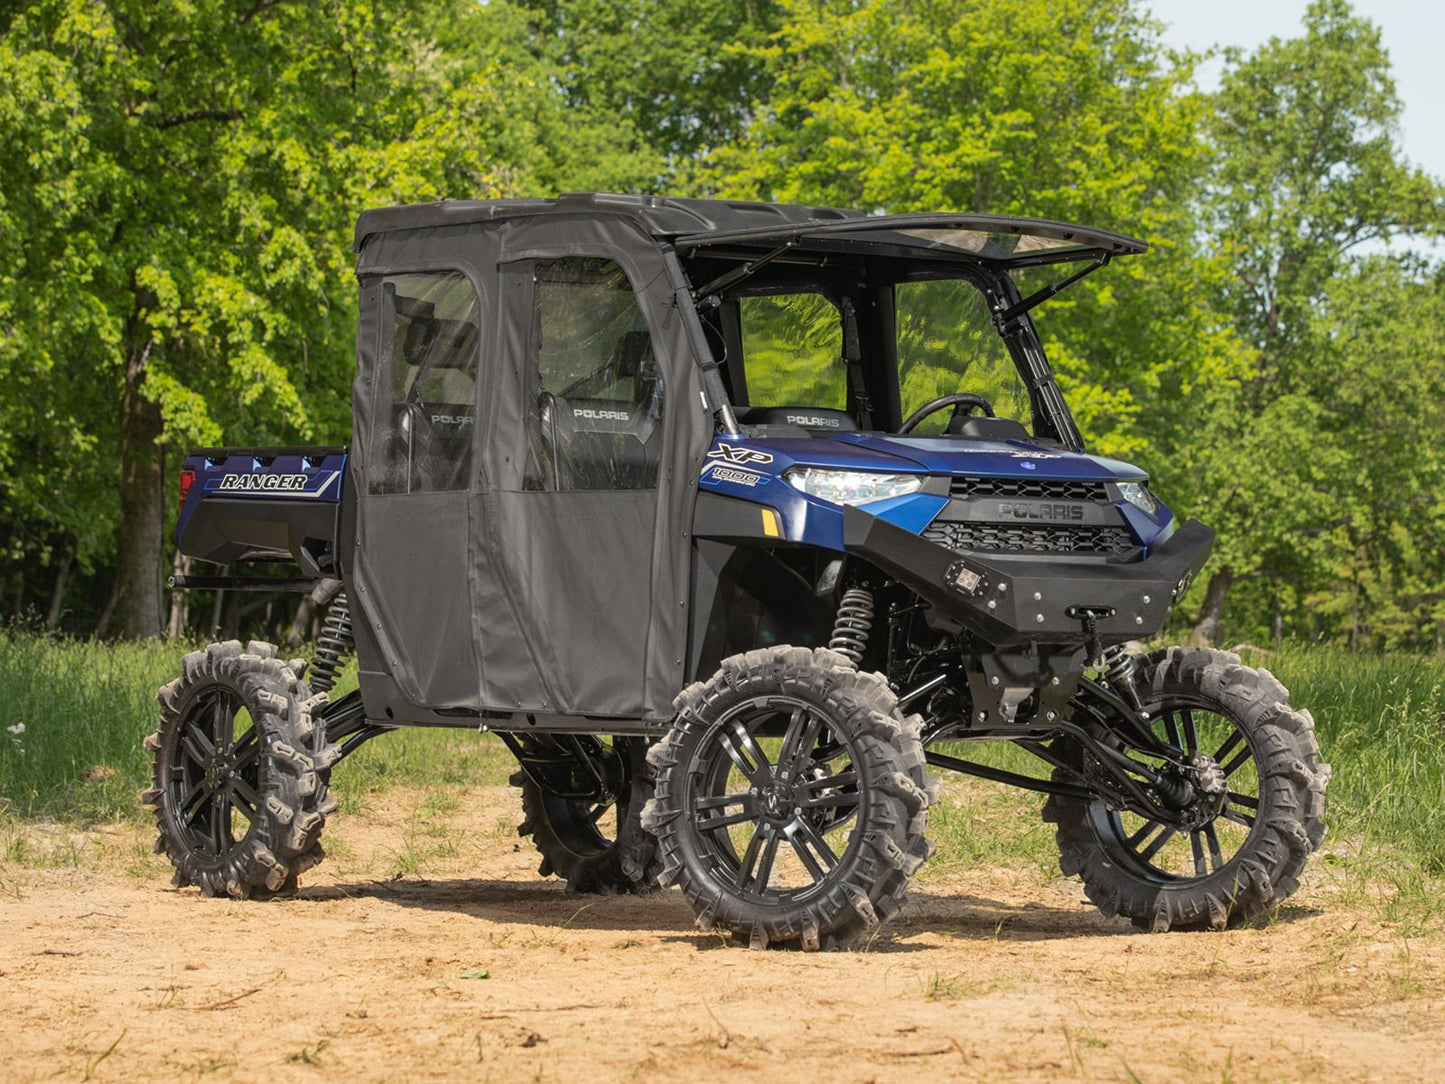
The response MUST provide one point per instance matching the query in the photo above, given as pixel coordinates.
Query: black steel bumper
(1010, 600)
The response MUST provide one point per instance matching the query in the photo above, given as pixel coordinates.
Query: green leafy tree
(177, 190)
(1308, 173)
(683, 75)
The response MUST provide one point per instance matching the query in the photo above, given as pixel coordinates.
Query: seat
(602, 443)
(817, 420)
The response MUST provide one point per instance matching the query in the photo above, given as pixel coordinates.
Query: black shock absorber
(333, 646)
(1121, 669)
(853, 624)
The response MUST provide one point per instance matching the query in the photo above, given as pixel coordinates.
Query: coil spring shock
(853, 624)
(333, 646)
(1119, 664)
(1121, 668)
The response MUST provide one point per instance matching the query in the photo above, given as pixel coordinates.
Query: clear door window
(425, 431)
(597, 392)
(793, 350)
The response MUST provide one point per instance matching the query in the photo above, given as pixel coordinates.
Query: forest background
(178, 184)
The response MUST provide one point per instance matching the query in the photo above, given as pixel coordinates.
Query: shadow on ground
(548, 904)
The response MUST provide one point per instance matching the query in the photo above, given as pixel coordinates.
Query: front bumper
(1009, 600)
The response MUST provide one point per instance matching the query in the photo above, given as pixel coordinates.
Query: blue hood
(948, 455)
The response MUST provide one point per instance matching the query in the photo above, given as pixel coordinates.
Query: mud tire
(573, 848)
(1288, 825)
(886, 846)
(284, 759)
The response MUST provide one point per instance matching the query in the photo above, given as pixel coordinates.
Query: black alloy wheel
(791, 799)
(1241, 804)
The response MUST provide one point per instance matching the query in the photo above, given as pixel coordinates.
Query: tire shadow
(538, 903)
(547, 905)
(968, 917)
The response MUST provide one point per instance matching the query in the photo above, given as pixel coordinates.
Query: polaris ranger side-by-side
(729, 519)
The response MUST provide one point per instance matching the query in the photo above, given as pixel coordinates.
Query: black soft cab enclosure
(515, 556)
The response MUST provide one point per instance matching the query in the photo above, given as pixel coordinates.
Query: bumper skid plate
(1009, 600)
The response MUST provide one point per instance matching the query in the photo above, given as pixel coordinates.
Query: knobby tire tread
(894, 845)
(629, 865)
(285, 839)
(1267, 867)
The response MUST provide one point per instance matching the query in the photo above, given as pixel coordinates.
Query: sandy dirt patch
(426, 948)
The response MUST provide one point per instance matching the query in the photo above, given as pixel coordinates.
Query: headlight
(1137, 494)
(851, 486)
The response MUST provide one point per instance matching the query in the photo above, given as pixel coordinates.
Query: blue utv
(729, 519)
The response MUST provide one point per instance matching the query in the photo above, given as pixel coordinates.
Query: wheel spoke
(242, 794)
(189, 807)
(811, 847)
(1216, 855)
(1138, 837)
(1243, 799)
(840, 779)
(1237, 763)
(1171, 730)
(220, 824)
(829, 801)
(734, 745)
(747, 865)
(765, 862)
(1196, 845)
(1228, 746)
(246, 751)
(1237, 817)
(223, 724)
(793, 754)
(197, 746)
(1157, 845)
(727, 820)
(754, 750)
(787, 751)
(1191, 733)
(720, 801)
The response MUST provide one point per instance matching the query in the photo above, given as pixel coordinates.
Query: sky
(1411, 31)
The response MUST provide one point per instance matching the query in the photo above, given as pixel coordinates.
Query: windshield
(793, 350)
(947, 343)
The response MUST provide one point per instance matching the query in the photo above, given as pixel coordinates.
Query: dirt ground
(427, 948)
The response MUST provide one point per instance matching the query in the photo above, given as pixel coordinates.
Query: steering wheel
(956, 400)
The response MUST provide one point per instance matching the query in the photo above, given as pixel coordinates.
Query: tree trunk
(57, 597)
(142, 509)
(1206, 631)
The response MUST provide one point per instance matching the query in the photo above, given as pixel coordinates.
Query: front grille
(969, 485)
(1016, 538)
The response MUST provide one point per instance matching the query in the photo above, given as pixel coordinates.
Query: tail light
(188, 479)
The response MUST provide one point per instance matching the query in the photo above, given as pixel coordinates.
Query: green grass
(73, 715)
(85, 708)
(1381, 723)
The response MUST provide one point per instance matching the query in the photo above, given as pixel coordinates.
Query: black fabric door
(580, 524)
(420, 342)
